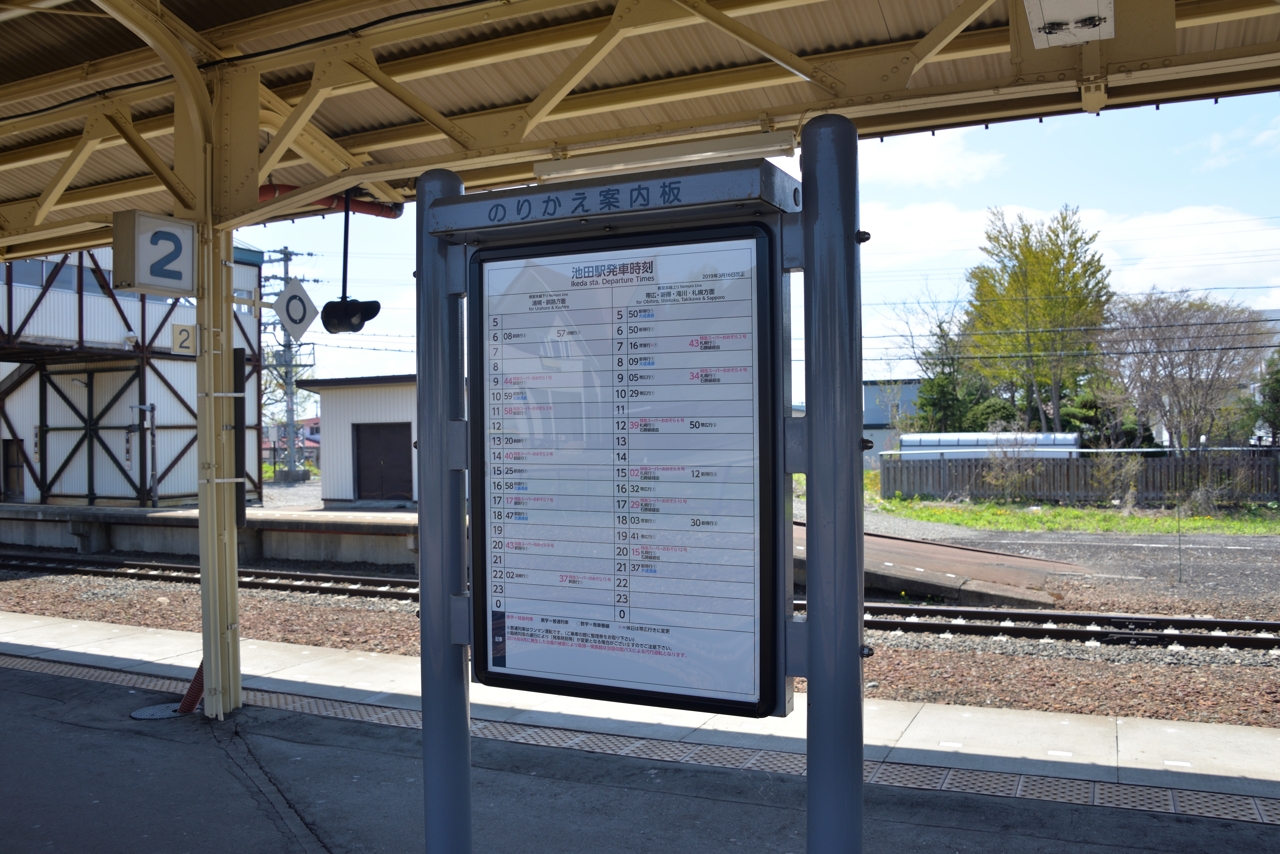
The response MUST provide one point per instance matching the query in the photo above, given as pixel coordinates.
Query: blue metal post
(442, 559)
(833, 416)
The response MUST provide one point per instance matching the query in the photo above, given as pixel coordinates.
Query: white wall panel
(182, 376)
(182, 480)
(74, 480)
(340, 410)
(57, 322)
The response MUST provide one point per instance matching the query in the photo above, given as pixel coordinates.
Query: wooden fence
(1228, 477)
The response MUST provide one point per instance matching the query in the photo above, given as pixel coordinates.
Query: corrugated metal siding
(56, 322)
(22, 407)
(57, 319)
(340, 410)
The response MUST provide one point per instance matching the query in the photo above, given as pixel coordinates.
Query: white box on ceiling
(1055, 23)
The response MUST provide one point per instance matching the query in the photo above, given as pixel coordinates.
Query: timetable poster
(623, 463)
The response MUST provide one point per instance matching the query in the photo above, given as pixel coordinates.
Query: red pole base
(195, 692)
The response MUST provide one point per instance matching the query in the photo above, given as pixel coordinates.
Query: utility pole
(287, 366)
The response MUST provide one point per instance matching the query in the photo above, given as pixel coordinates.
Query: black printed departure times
(623, 462)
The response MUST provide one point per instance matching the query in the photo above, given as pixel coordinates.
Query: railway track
(380, 587)
(1089, 628)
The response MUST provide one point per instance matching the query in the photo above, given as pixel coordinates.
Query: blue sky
(1187, 196)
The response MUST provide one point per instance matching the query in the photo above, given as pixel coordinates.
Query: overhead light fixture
(780, 143)
(1055, 23)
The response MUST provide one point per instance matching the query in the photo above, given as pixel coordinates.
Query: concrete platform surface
(81, 776)
(1204, 757)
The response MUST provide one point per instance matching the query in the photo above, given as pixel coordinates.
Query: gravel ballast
(1226, 577)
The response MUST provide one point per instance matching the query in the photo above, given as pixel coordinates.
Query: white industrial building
(370, 425)
(95, 407)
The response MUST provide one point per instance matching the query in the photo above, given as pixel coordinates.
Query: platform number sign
(153, 254)
(184, 339)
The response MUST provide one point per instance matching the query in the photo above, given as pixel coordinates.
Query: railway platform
(385, 538)
(388, 538)
(1035, 762)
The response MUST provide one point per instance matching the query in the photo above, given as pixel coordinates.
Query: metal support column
(442, 557)
(230, 176)
(833, 371)
(220, 603)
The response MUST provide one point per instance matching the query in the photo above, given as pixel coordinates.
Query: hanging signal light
(346, 314)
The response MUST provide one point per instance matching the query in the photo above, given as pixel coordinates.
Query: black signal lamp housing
(348, 315)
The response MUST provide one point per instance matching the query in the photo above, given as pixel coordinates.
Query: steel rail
(380, 587)
(1126, 629)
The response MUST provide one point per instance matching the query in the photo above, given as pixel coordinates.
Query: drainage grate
(780, 763)
(95, 674)
(982, 783)
(1148, 798)
(497, 729)
(547, 736)
(910, 776)
(1056, 789)
(1215, 805)
(666, 751)
(1269, 809)
(600, 743)
(724, 757)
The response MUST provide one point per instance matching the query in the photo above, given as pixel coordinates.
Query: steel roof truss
(587, 59)
(364, 62)
(941, 36)
(123, 124)
(326, 76)
(772, 50)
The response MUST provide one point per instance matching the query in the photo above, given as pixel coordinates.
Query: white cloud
(1243, 143)
(1193, 247)
(925, 249)
(922, 160)
(917, 160)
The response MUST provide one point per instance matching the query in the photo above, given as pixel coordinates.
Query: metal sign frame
(822, 239)
(162, 264)
(772, 361)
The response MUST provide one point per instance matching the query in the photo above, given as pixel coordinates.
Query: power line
(1196, 324)
(1084, 353)
(1153, 291)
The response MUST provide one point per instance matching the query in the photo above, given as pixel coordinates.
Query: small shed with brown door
(370, 424)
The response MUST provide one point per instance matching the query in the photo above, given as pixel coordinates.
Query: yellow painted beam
(942, 35)
(769, 48)
(124, 126)
(94, 130)
(579, 67)
(368, 66)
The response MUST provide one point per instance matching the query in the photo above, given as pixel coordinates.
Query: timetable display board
(621, 477)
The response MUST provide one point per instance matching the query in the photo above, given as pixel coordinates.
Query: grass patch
(991, 516)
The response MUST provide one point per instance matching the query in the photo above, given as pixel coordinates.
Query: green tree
(992, 411)
(1267, 408)
(1035, 309)
(950, 387)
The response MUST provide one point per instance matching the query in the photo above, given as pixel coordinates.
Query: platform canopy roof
(370, 93)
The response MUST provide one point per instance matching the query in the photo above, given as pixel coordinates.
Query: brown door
(14, 482)
(384, 462)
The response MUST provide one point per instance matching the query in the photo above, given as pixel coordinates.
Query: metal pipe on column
(833, 416)
(442, 558)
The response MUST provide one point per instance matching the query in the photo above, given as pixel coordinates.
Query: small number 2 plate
(184, 340)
